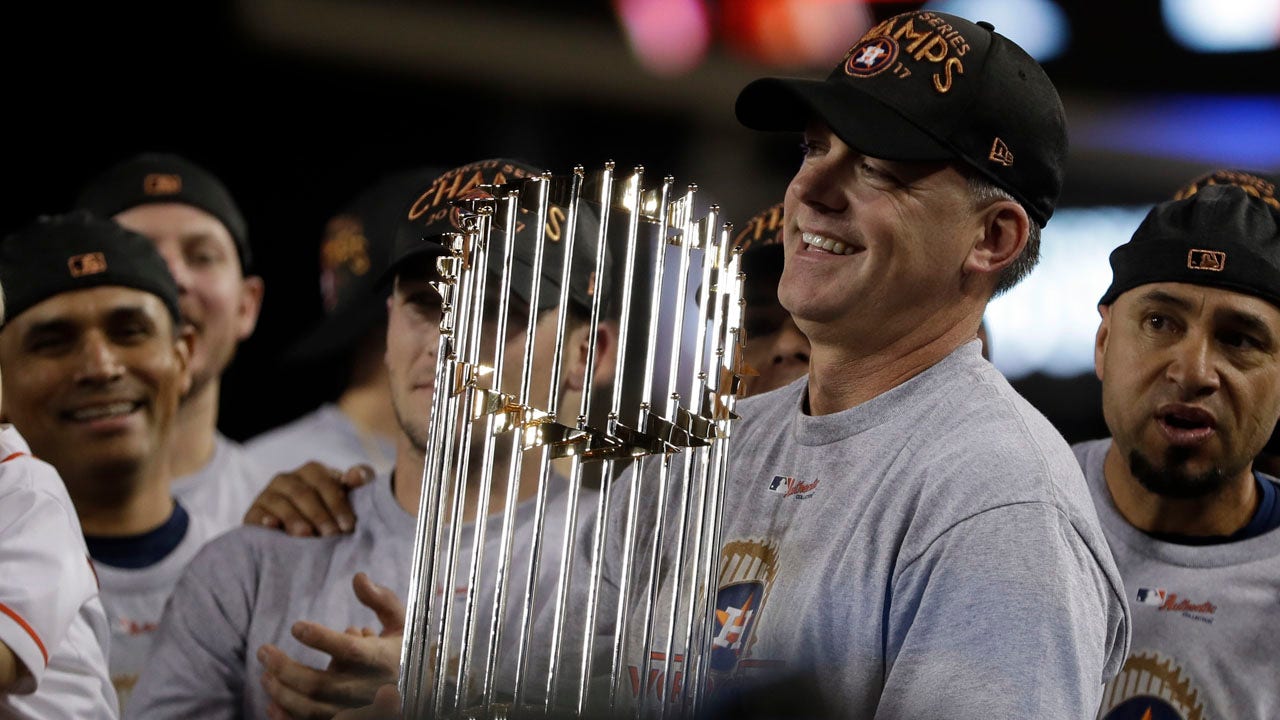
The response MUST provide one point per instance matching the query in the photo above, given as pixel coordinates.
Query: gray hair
(983, 191)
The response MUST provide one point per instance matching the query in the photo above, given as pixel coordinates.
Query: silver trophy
(507, 616)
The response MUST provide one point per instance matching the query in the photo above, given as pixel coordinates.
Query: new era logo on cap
(1001, 153)
(1214, 260)
(161, 184)
(87, 264)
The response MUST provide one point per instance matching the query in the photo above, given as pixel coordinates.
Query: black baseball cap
(931, 86)
(354, 253)
(55, 254)
(433, 214)
(161, 178)
(1221, 236)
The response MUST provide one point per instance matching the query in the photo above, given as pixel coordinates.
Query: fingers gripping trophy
(589, 324)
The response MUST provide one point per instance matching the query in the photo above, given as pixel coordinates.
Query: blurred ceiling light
(1218, 26)
(794, 33)
(1223, 130)
(669, 37)
(1039, 26)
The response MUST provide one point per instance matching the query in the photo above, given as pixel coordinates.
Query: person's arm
(196, 666)
(1006, 614)
(47, 577)
(311, 500)
(11, 669)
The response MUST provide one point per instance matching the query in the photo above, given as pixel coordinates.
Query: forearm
(11, 668)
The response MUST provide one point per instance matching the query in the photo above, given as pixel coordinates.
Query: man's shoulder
(1087, 451)
(252, 546)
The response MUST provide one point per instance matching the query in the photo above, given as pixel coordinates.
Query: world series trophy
(507, 613)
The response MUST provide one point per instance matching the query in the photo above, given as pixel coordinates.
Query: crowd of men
(950, 555)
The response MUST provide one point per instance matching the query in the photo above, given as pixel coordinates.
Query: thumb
(382, 601)
(356, 476)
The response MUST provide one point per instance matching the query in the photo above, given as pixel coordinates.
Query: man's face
(413, 337)
(896, 237)
(1190, 383)
(219, 303)
(93, 377)
(413, 340)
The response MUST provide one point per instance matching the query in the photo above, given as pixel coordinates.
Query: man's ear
(606, 355)
(184, 344)
(251, 291)
(1100, 340)
(1005, 227)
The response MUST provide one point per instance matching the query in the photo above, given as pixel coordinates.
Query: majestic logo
(871, 57)
(87, 264)
(1213, 260)
(1165, 601)
(786, 486)
(161, 184)
(1000, 153)
(1150, 687)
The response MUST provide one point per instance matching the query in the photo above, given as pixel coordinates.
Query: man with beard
(196, 225)
(255, 627)
(1188, 353)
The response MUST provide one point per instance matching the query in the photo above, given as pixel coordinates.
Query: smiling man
(905, 536)
(95, 359)
(199, 230)
(1188, 352)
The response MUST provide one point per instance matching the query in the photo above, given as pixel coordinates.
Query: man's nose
(1192, 367)
(99, 360)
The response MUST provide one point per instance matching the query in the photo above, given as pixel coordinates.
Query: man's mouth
(101, 411)
(815, 241)
(1186, 424)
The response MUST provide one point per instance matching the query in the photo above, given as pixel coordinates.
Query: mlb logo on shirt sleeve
(1151, 596)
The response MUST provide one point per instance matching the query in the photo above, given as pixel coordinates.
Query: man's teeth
(832, 246)
(101, 411)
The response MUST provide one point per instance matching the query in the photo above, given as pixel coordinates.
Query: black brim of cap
(866, 124)
(338, 332)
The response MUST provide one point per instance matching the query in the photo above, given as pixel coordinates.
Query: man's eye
(46, 343)
(875, 172)
(1238, 340)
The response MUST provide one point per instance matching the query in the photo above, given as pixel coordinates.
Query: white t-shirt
(50, 614)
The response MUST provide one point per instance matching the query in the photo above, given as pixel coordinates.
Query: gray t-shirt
(225, 487)
(249, 586)
(325, 435)
(1206, 642)
(930, 553)
(135, 598)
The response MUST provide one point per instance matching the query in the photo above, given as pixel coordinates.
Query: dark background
(298, 104)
